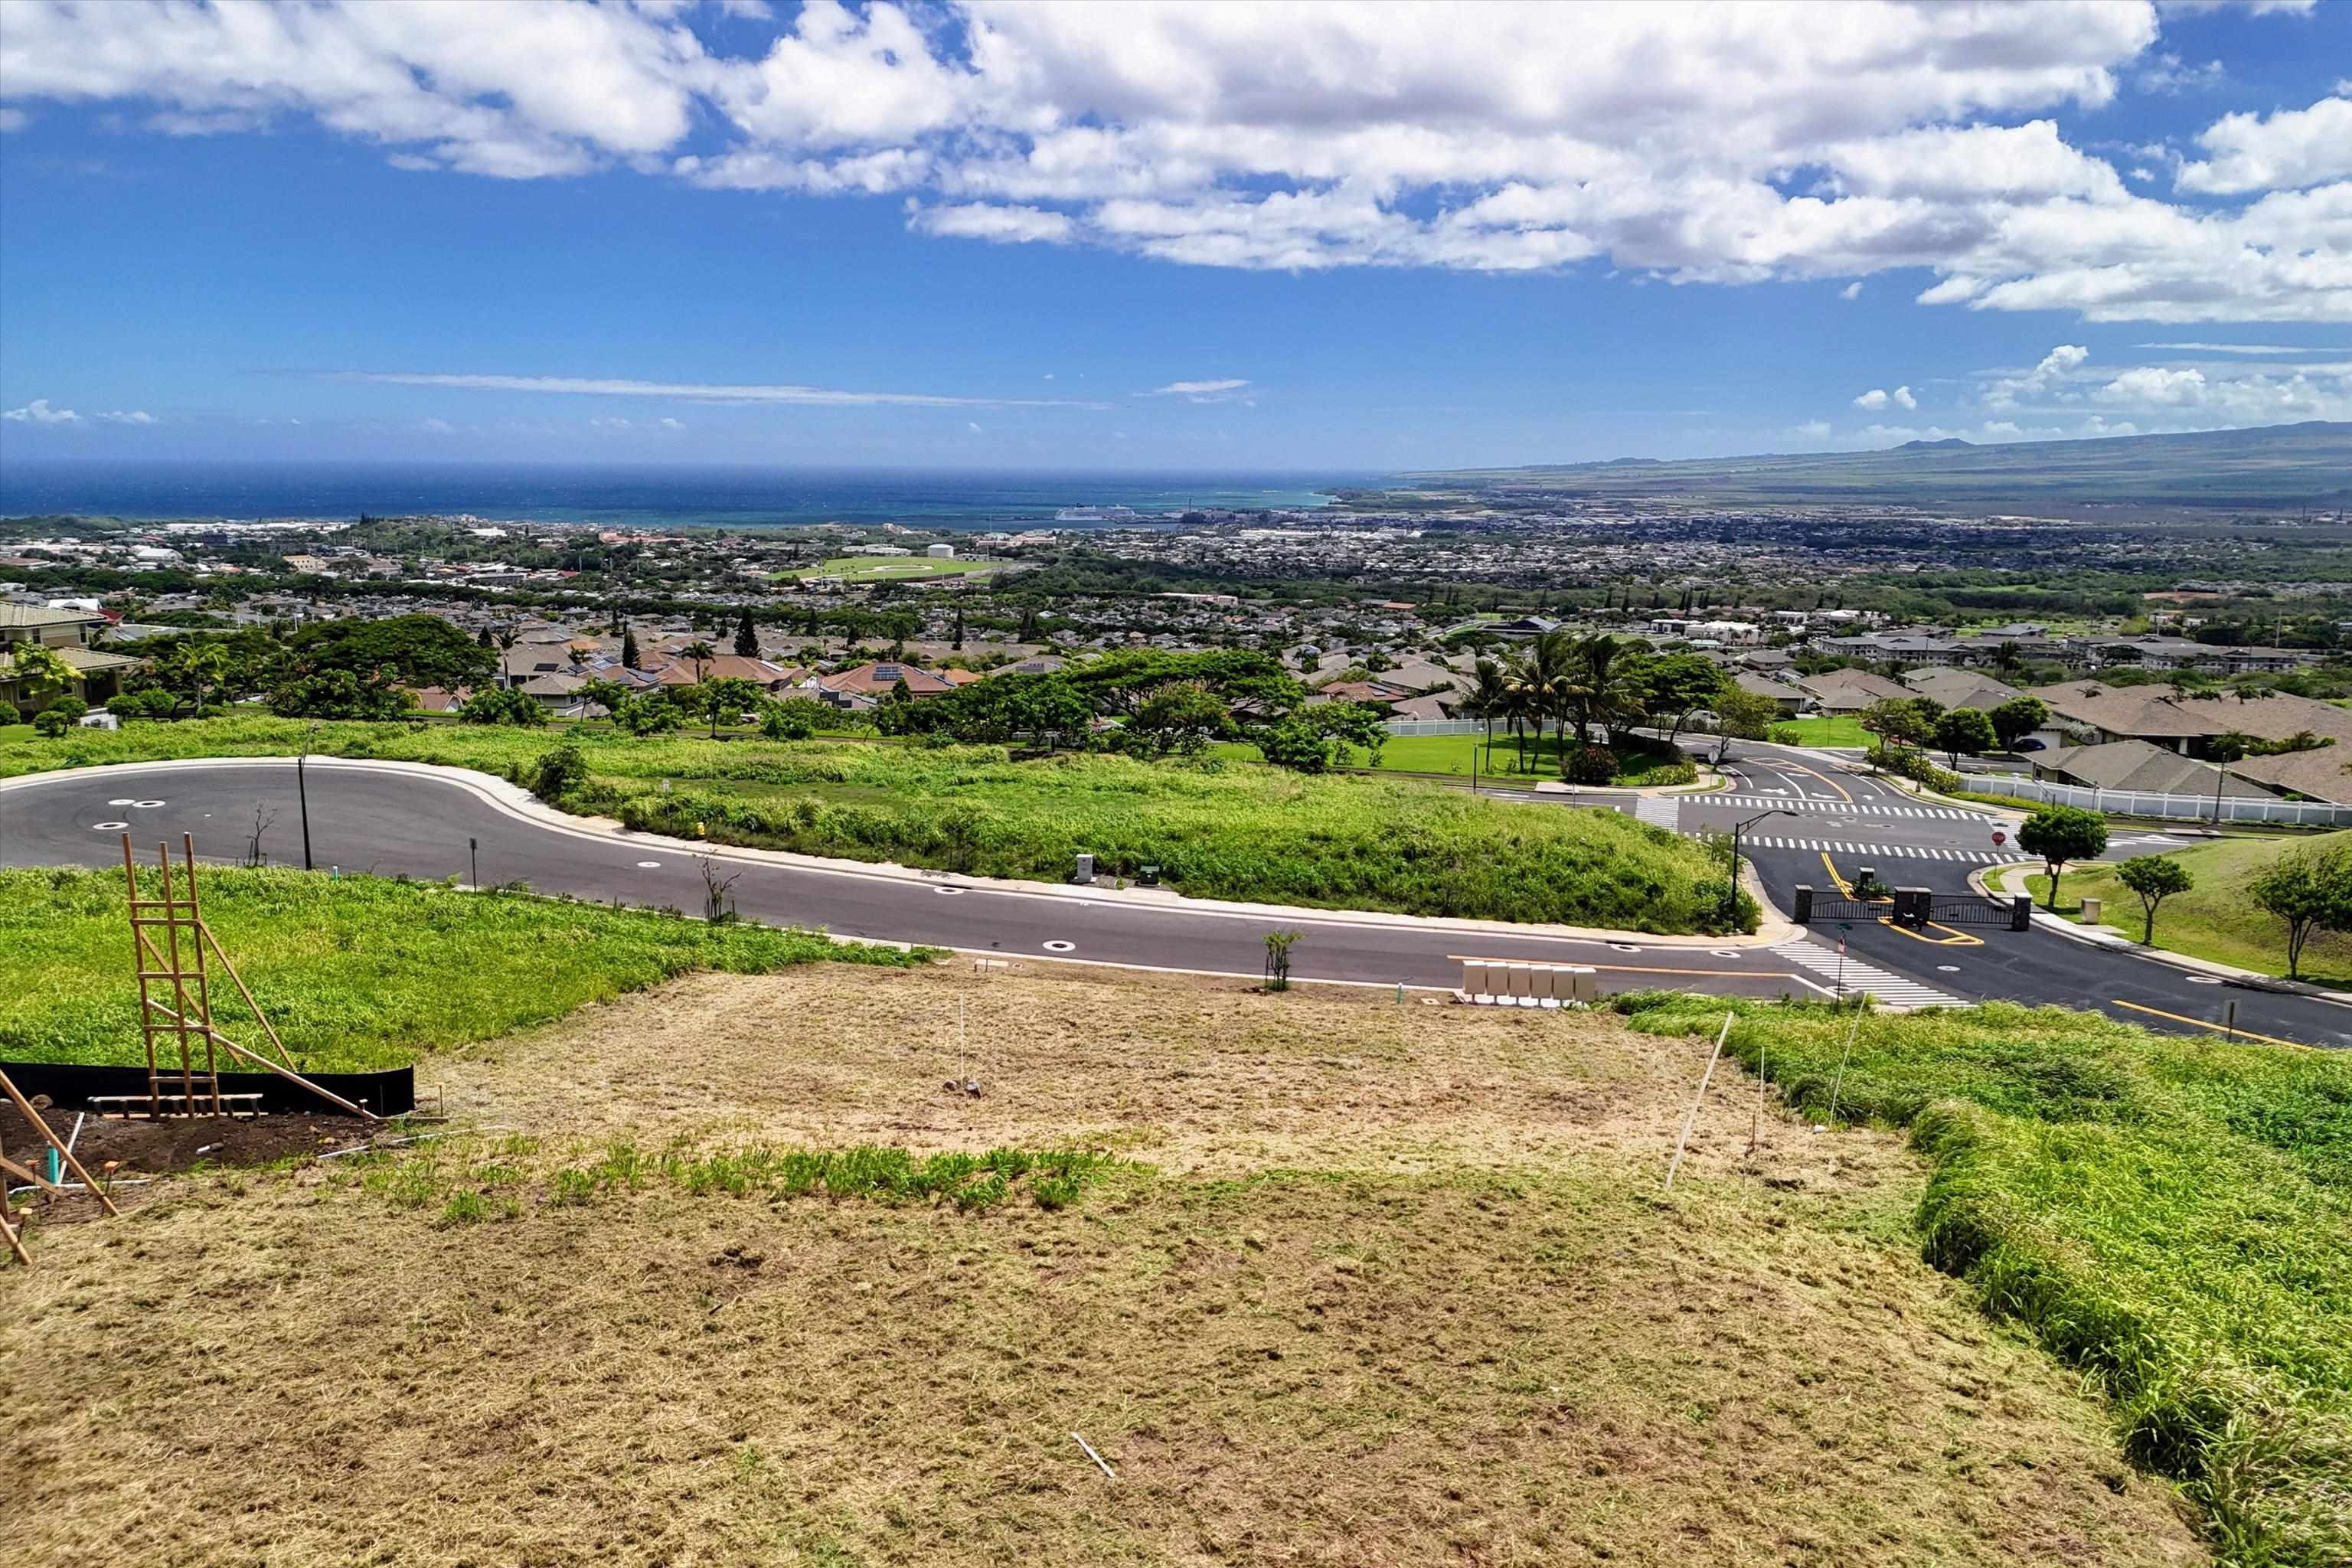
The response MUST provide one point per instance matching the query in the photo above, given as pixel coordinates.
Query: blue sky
(1340, 238)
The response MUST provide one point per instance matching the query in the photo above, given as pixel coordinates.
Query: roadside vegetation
(356, 972)
(1838, 731)
(2172, 1216)
(1634, 762)
(1250, 834)
(2218, 917)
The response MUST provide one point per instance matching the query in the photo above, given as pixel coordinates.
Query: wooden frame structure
(184, 1024)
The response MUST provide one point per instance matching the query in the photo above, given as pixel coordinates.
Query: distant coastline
(637, 497)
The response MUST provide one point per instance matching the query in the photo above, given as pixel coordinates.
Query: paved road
(369, 820)
(364, 819)
(1846, 818)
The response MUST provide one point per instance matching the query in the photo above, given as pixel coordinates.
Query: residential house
(872, 682)
(1843, 691)
(2322, 773)
(1789, 700)
(2187, 724)
(2137, 765)
(97, 675)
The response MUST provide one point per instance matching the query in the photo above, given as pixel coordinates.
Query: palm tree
(1489, 698)
(1600, 688)
(699, 655)
(1536, 675)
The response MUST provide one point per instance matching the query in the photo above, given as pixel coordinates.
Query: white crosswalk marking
(1864, 809)
(1860, 976)
(1897, 851)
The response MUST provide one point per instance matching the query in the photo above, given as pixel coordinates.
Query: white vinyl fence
(1437, 727)
(2175, 807)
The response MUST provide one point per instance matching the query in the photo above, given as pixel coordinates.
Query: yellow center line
(2208, 1024)
(1949, 938)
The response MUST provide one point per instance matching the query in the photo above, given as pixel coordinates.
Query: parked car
(2031, 744)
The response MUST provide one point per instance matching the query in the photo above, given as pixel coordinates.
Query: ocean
(637, 497)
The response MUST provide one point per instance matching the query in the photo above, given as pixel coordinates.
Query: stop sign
(1998, 836)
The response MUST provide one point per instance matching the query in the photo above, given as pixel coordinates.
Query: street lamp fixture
(1732, 887)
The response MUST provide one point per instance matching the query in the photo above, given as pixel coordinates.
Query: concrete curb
(514, 801)
(2013, 877)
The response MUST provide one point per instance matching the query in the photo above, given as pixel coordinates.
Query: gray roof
(2137, 765)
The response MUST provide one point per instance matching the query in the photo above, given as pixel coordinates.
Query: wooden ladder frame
(189, 1013)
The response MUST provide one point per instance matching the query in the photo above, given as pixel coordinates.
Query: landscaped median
(1245, 834)
(2173, 1216)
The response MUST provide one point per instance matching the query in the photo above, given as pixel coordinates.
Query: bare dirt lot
(1382, 1285)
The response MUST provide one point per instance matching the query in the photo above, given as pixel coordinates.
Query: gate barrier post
(1803, 913)
(2020, 912)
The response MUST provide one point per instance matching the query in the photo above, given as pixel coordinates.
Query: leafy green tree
(2062, 833)
(2019, 717)
(629, 647)
(1183, 716)
(502, 705)
(1363, 724)
(2155, 877)
(727, 699)
(1897, 721)
(1118, 683)
(407, 650)
(794, 719)
(339, 694)
(2311, 892)
(1966, 729)
(40, 672)
(747, 637)
(1742, 713)
(1677, 684)
(1298, 742)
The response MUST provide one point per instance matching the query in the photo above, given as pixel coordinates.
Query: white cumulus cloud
(38, 412)
(1686, 141)
(1879, 397)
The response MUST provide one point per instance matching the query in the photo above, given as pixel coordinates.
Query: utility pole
(302, 791)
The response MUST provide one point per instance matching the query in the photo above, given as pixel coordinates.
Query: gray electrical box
(1085, 870)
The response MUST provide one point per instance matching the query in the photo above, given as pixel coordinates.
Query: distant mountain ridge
(2268, 468)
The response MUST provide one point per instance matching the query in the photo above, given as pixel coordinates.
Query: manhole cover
(1061, 947)
(108, 827)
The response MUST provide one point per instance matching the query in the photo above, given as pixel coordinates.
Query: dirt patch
(143, 1147)
(1199, 1078)
(1394, 1286)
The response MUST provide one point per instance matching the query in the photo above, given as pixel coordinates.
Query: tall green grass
(1245, 832)
(2174, 1217)
(356, 974)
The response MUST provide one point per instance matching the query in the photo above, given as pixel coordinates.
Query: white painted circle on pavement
(649, 865)
(145, 803)
(953, 891)
(108, 827)
(2204, 980)
(1624, 947)
(1061, 947)
(1724, 951)
(119, 800)
(1950, 968)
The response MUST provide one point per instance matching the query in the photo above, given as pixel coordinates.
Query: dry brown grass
(1398, 1287)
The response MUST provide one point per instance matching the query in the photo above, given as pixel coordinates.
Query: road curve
(400, 819)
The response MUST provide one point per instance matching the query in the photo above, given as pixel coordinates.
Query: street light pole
(1731, 888)
(302, 791)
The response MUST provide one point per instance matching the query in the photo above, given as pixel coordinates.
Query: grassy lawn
(2172, 1216)
(2215, 918)
(356, 974)
(1840, 731)
(1244, 833)
(1356, 1284)
(892, 568)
